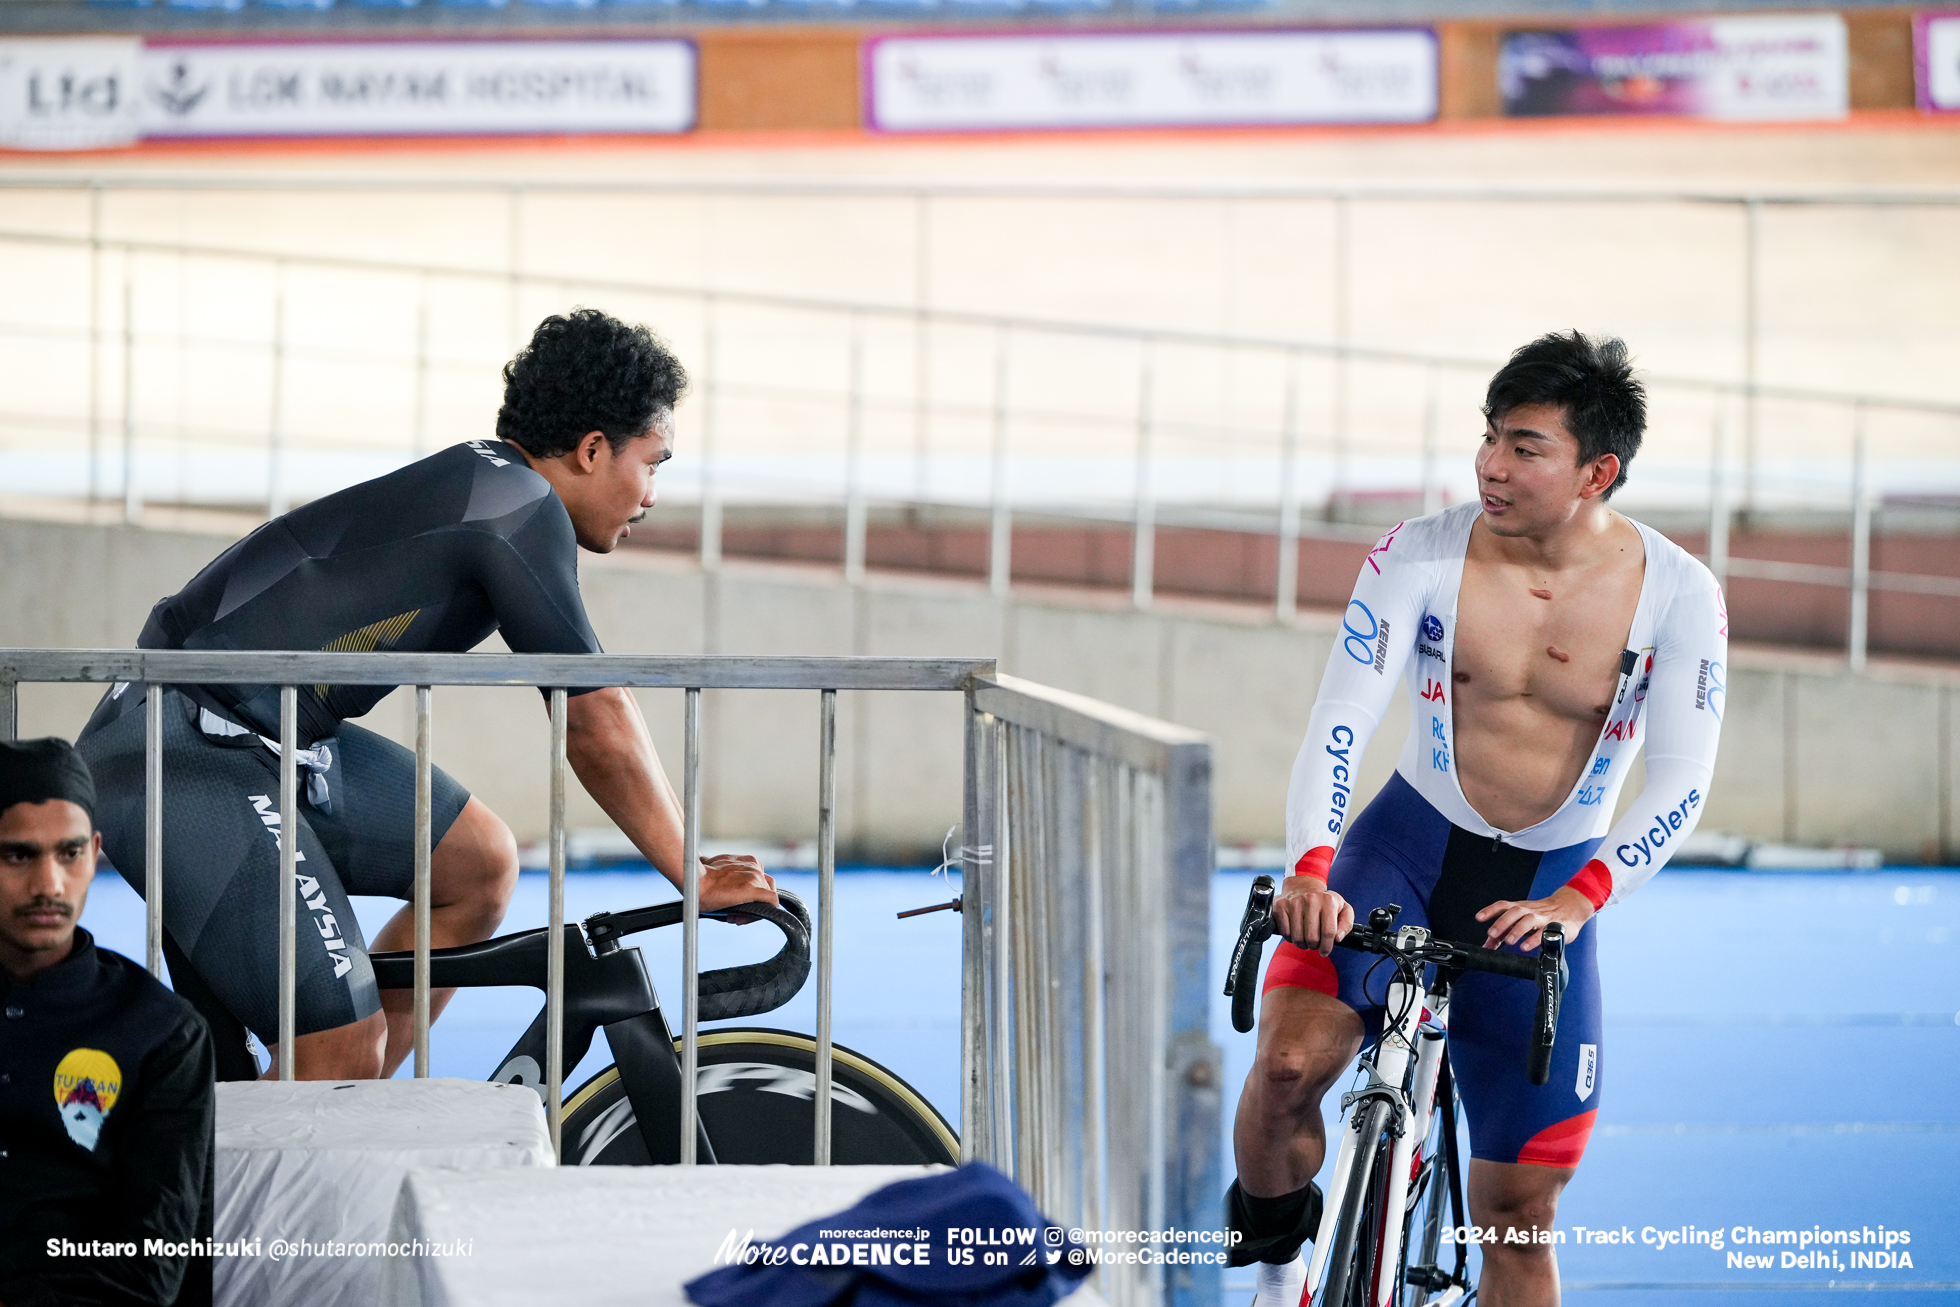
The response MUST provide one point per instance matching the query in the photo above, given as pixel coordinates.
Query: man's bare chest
(1555, 642)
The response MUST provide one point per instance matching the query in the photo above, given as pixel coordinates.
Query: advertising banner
(1777, 67)
(70, 93)
(1018, 83)
(1936, 49)
(387, 88)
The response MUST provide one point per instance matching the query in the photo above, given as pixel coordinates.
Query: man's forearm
(612, 755)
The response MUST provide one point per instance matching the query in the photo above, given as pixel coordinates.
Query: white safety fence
(146, 369)
(1088, 1073)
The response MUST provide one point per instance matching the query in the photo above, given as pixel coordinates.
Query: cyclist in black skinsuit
(480, 537)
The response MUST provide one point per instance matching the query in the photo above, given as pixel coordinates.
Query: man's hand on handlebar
(728, 879)
(1309, 915)
(1523, 921)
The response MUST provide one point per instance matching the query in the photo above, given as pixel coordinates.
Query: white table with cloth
(599, 1236)
(321, 1162)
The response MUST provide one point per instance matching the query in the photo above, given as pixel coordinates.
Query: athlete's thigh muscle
(368, 823)
(221, 867)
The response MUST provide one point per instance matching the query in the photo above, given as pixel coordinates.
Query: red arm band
(1595, 881)
(1315, 862)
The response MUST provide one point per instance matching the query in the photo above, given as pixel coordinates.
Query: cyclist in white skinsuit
(1403, 615)
(1584, 636)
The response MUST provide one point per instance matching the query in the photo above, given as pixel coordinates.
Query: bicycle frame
(1414, 1024)
(612, 990)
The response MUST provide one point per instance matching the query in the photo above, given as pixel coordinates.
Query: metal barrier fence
(1091, 1077)
(1086, 1066)
(1717, 447)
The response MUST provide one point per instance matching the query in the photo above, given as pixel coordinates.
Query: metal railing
(1090, 1075)
(1287, 447)
(153, 670)
(1087, 1069)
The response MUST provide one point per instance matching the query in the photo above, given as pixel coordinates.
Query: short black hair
(586, 371)
(1591, 379)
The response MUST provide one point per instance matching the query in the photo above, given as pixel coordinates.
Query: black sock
(1272, 1228)
(1281, 1215)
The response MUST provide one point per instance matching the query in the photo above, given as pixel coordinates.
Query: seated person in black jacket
(106, 1080)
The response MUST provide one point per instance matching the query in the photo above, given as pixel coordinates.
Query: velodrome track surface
(1782, 1051)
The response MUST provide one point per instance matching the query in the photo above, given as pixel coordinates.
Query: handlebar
(1408, 945)
(729, 991)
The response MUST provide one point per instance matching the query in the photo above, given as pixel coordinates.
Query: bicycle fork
(1410, 1101)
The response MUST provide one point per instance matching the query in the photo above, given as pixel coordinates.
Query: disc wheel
(754, 1091)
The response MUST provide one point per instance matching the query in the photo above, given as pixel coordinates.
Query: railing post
(94, 344)
(1343, 258)
(275, 491)
(554, 973)
(1718, 499)
(826, 904)
(854, 509)
(1287, 597)
(288, 874)
(1000, 541)
(514, 253)
(976, 899)
(1752, 209)
(710, 432)
(1000, 1051)
(9, 709)
(922, 345)
(424, 854)
(153, 827)
(1861, 540)
(1432, 416)
(1143, 541)
(690, 927)
(1191, 1122)
(422, 364)
(132, 488)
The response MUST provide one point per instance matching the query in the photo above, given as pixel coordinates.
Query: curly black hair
(584, 372)
(1591, 379)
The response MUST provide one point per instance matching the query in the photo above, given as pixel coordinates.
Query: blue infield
(1783, 1054)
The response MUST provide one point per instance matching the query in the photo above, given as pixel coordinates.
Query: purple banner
(1789, 67)
(1936, 52)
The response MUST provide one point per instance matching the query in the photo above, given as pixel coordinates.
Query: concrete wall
(1809, 753)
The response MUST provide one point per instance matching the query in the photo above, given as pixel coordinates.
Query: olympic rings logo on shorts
(1366, 639)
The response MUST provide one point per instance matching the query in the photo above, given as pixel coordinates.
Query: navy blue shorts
(1401, 850)
(221, 852)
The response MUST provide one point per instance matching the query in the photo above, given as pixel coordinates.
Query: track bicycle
(755, 1088)
(1397, 1185)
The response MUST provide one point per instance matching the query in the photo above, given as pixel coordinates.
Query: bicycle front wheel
(1350, 1261)
(754, 1091)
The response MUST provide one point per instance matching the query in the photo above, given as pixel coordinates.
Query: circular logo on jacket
(1432, 628)
(87, 1083)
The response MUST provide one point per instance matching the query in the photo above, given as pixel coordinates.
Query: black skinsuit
(431, 558)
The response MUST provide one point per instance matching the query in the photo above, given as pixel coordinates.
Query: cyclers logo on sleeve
(309, 891)
(1666, 826)
(1369, 647)
(1337, 799)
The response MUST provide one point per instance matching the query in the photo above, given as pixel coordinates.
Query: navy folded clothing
(961, 1239)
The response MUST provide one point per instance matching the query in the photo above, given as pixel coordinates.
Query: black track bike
(755, 1088)
(1396, 1195)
